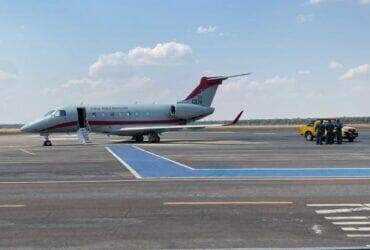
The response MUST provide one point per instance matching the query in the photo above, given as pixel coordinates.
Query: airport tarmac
(72, 195)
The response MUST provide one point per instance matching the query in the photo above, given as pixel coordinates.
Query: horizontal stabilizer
(235, 121)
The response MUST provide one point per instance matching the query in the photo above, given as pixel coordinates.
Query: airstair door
(81, 113)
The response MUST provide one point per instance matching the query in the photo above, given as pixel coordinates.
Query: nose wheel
(47, 142)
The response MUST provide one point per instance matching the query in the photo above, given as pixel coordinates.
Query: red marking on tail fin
(205, 83)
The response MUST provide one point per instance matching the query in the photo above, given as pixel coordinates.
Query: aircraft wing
(166, 128)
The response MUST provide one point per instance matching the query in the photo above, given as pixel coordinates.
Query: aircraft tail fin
(204, 93)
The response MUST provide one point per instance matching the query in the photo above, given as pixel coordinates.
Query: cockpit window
(49, 113)
(60, 113)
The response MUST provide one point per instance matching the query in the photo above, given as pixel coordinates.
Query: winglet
(236, 119)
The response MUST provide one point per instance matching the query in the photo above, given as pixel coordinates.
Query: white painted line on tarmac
(136, 174)
(207, 203)
(347, 217)
(164, 158)
(336, 205)
(358, 235)
(361, 229)
(26, 151)
(351, 223)
(342, 210)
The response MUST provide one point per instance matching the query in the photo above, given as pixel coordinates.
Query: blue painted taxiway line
(144, 164)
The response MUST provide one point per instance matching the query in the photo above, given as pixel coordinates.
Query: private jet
(136, 120)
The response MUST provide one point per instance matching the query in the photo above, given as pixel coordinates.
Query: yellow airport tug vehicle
(309, 133)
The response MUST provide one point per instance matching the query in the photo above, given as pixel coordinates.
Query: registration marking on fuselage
(148, 165)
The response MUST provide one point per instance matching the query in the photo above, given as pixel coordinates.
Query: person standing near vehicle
(338, 132)
(320, 130)
(329, 132)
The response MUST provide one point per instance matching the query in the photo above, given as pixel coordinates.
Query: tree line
(292, 121)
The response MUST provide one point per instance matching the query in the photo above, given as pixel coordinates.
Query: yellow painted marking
(205, 203)
(12, 206)
(26, 151)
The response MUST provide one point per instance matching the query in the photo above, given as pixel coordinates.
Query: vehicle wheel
(308, 135)
(47, 143)
(351, 139)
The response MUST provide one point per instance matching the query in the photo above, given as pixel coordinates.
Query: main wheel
(153, 138)
(139, 138)
(47, 143)
(308, 135)
(351, 139)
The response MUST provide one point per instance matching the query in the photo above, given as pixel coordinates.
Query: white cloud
(162, 54)
(6, 76)
(356, 71)
(206, 29)
(120, 77)
(170, 53)
(335, 65)
(303, 72)
(305, 18)
(278, 80)
(316, 1)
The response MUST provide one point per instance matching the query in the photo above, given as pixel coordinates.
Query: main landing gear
(138, 138)
(47, 142)
(153, 137)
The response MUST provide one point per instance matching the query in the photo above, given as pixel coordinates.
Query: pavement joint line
(12, 205)
(205, 203)
(26, 151)
(176, 179)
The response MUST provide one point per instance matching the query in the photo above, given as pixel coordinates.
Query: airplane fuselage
(132, 120)
(111, 118)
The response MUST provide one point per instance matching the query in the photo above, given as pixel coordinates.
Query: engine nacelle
(190, 111)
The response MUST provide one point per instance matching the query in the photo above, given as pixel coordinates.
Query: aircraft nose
(25, 128)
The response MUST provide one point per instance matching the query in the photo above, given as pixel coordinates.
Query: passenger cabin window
(60, 113)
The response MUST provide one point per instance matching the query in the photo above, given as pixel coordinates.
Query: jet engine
(189, 111)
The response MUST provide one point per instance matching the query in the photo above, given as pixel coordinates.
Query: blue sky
(308, 58)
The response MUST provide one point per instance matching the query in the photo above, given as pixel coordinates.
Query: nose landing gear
(47, 142)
